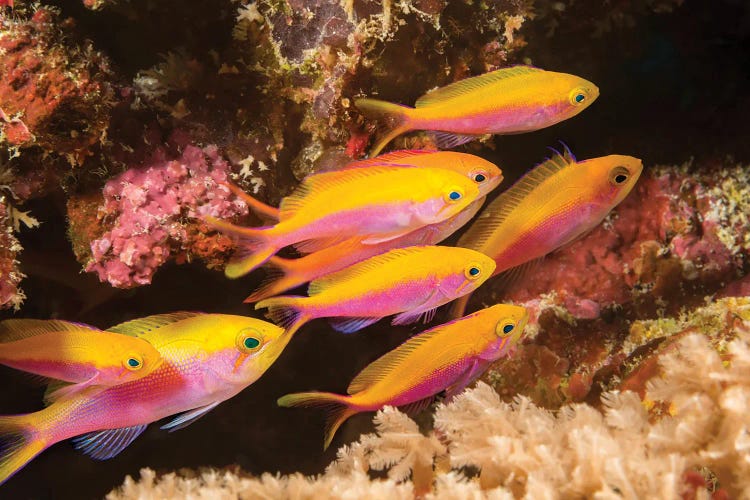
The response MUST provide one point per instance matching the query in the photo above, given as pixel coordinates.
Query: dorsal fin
(137, 327)
(398, 158)
(315, 183)
(497, 211)
(17, 329)
(356, 270)
(461, 87)
(381, 367)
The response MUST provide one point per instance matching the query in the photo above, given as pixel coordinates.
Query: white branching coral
(520, 450)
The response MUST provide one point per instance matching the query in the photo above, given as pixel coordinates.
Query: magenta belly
(375, 303)
(430, 385)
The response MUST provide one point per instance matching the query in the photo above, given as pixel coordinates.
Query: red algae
(53, 96)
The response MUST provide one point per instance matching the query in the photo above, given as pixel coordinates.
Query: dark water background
(673, 87)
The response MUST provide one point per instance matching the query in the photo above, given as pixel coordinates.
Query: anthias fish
(485, 174)
(285, 274)
(75, 353)
(377, 204)
(507, 101)
(207, 359)
(557, 202)
(410, 282)
(446, 358)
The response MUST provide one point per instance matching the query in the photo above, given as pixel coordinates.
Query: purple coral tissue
(151, 208)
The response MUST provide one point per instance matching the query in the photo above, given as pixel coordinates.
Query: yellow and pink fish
(445, 358)
(71, 352)
(554, 204)
(285, 274)
(375, 201)
(506, 101)
(206, 359)
(409, 282)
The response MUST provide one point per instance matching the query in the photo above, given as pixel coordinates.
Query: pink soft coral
(153, 209)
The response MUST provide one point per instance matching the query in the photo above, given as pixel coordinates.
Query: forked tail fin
(338, 408)
(285, 312)
(257, 206)
(19, 443)
(281, 275)
(393, 120)
(255, 246)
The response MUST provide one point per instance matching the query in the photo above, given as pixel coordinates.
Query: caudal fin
(393, 119)
(281, 275)
(257, 206)
(254, 246)
(19, 443)
(285, 312)
(338, 408)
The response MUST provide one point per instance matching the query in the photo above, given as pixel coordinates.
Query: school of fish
(368, 232)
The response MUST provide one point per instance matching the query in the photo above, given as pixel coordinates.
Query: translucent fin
(140, 326)
(447, 140)
(382, 238)
(276, 281)
(510, 277)
(336, 406)
(469, 85)
(17, 329)
(285, 312)
(187, 418)
(465, 379)
(381, 367)
(318, 244)
(458, 308)
(409, 317)
(351, 325)
(398, 158)
(103, 445)
(61, 391)
(393, 120)
(417, 406)
(488, 222)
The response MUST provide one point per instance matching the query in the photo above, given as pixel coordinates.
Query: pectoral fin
(470, 375)
(61, 391)
(187, 418)
(351, 325)
(102, 445)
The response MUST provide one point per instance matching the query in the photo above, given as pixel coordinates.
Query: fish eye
(133, 363)
(479, 177)
(249, 340)
(454, 194)
(504, 328)
(578, 96)
(619, 175)
(473, 271)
